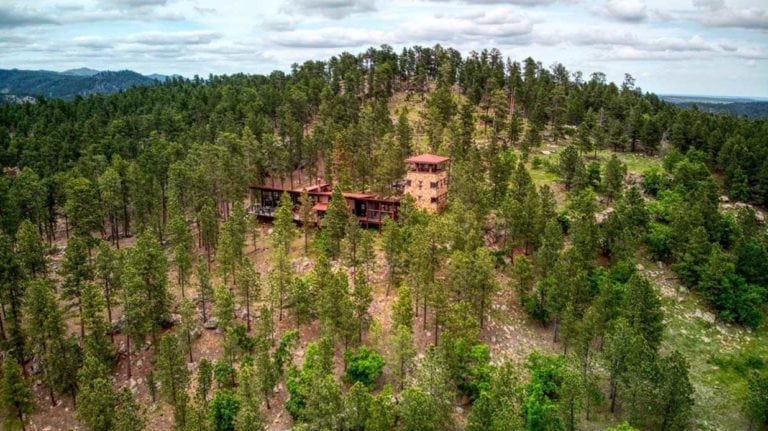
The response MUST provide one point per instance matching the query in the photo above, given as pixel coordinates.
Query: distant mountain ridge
(736, 106)
(22, 85)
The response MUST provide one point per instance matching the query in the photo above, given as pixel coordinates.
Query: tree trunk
(248, 309)
(82, 323)
(128, 354)
(189, 343)
(108, 298)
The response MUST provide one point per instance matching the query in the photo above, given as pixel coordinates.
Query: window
(420, 184)
(432, 185)
(408, 183)
(433, 200)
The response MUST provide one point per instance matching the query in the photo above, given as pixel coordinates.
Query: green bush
(364, 366)
(224, 408)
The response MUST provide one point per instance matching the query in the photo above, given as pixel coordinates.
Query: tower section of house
(427, 181)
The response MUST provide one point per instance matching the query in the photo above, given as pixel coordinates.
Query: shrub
(364, 366)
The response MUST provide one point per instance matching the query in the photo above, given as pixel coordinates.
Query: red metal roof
(356, 195)
(321, 206)
(427, 159)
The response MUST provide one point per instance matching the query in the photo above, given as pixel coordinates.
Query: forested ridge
(138, 292)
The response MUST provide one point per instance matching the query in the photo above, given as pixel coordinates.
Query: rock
(633, 179)
(603, 215)
(139, 363)
(118, 325)
(212, 323)
(36, 366)
(196, 332)
(459, 410)
(660, 264)
(546, 152)
(175, 319)
(724, 199)
(640, 267)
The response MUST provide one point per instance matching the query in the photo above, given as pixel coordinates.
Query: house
(427, 181)
(369, 208)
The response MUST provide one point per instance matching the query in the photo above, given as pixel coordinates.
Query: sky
(694, 47)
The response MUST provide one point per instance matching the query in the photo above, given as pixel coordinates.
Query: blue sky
(705, 47)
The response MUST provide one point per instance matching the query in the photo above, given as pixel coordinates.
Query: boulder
(212, 323)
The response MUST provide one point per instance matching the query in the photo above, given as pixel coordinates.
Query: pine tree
(283, 230)
(381, 411)
(187, 324)
(393, 250)
(129, 414)
(30, 250)
(76, 271)
(173, 377)
(362, 297)
(357, 403)
(642, 309)
(181, 239)
(223, 307)
(301, 298)
(209, 228)
(96, 398)
(204, 381)
(675, 393)
(11, 294)
(148, 261)
(16, 398)
(569, 163)
(82, 206)
(97, 342)
(351, 243)
(613, 181)
(307, 216)
(204, 287)
(248, 287)
(335, 222)
(135, 309)
(402, 309)
(108, 265)
(402, 353)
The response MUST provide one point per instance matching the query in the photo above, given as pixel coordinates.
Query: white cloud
(625, 10)
(715, 13)
(328, 37)
(333, 9)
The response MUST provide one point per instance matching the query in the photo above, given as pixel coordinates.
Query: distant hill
(736, 106)
(19, 85)
(83, 71)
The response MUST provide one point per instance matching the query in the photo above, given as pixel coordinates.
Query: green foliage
(16, 398)
(223, 374)
(335, 222)
(363, 365)
(224, 410)
(498, 407)
(173, 376)
(757, 397)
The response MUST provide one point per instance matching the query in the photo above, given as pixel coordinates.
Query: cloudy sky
(705, 47)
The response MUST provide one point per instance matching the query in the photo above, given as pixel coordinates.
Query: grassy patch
(719, 355)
